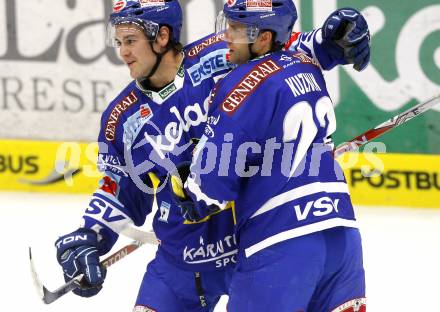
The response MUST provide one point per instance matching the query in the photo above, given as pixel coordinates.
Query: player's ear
(266, 37)
(264, 42)
(163, 37)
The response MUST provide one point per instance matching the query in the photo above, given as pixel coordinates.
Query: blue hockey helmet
(149, 15)
(278, 16)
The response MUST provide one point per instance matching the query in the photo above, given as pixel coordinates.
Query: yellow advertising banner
(407, 180)
(43, 166)
(70, 167)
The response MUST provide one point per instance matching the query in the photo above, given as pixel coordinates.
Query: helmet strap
(158, 60)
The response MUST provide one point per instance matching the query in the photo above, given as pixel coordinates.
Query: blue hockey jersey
(143, 135)
(267, 147)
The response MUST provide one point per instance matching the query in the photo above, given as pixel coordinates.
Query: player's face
(135, 50)
(236, 38)
(238, 53)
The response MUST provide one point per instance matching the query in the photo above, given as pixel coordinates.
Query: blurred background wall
(57, 76)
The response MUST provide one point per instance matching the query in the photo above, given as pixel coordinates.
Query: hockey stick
(139, 235)
(50, 296)
(386, 126)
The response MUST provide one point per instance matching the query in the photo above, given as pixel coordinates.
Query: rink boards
(69, 167)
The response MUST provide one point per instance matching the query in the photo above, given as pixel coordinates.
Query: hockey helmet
(147, 15)
(278, 16)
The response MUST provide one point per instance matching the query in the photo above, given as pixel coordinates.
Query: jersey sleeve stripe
(297, 232)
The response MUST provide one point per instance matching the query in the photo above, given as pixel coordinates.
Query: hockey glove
(77, 253)
(190, 210)
(345, 34)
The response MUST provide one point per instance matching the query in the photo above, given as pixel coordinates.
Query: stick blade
(37, 283)
(46, 295)
(49, 296)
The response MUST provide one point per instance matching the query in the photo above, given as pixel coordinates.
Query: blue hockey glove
(190, 210)
(77, 253)
(345, 34)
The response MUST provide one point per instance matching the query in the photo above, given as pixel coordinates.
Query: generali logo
(259, 5)
(248, 85)
(118, 109)
(201, 46)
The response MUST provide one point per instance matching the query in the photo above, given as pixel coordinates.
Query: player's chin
(133, 74)
(136, 74)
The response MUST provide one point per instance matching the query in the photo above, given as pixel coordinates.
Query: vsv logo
(99, 206)
(107, 213)
(320, 207)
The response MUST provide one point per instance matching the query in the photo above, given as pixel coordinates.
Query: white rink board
(400, 246)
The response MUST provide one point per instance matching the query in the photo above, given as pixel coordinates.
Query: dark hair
(275, 45)
(172, 44)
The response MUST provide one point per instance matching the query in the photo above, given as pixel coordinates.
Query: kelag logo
(411, 69)
(404, 70)
(405, 58)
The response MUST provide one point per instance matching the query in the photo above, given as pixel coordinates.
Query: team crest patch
(355, 305)
(119, 6)
(259, 5)
(109, 186)
(231, 2)
(145, 111)
(149, 3)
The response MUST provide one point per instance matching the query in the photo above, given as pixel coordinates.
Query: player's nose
(124, 51)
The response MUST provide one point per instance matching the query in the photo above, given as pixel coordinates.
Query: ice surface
(401, 252)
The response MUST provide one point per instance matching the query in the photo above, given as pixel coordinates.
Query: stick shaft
(386, 126)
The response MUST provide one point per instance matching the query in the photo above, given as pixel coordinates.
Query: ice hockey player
(145, 131)
(267, 147)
